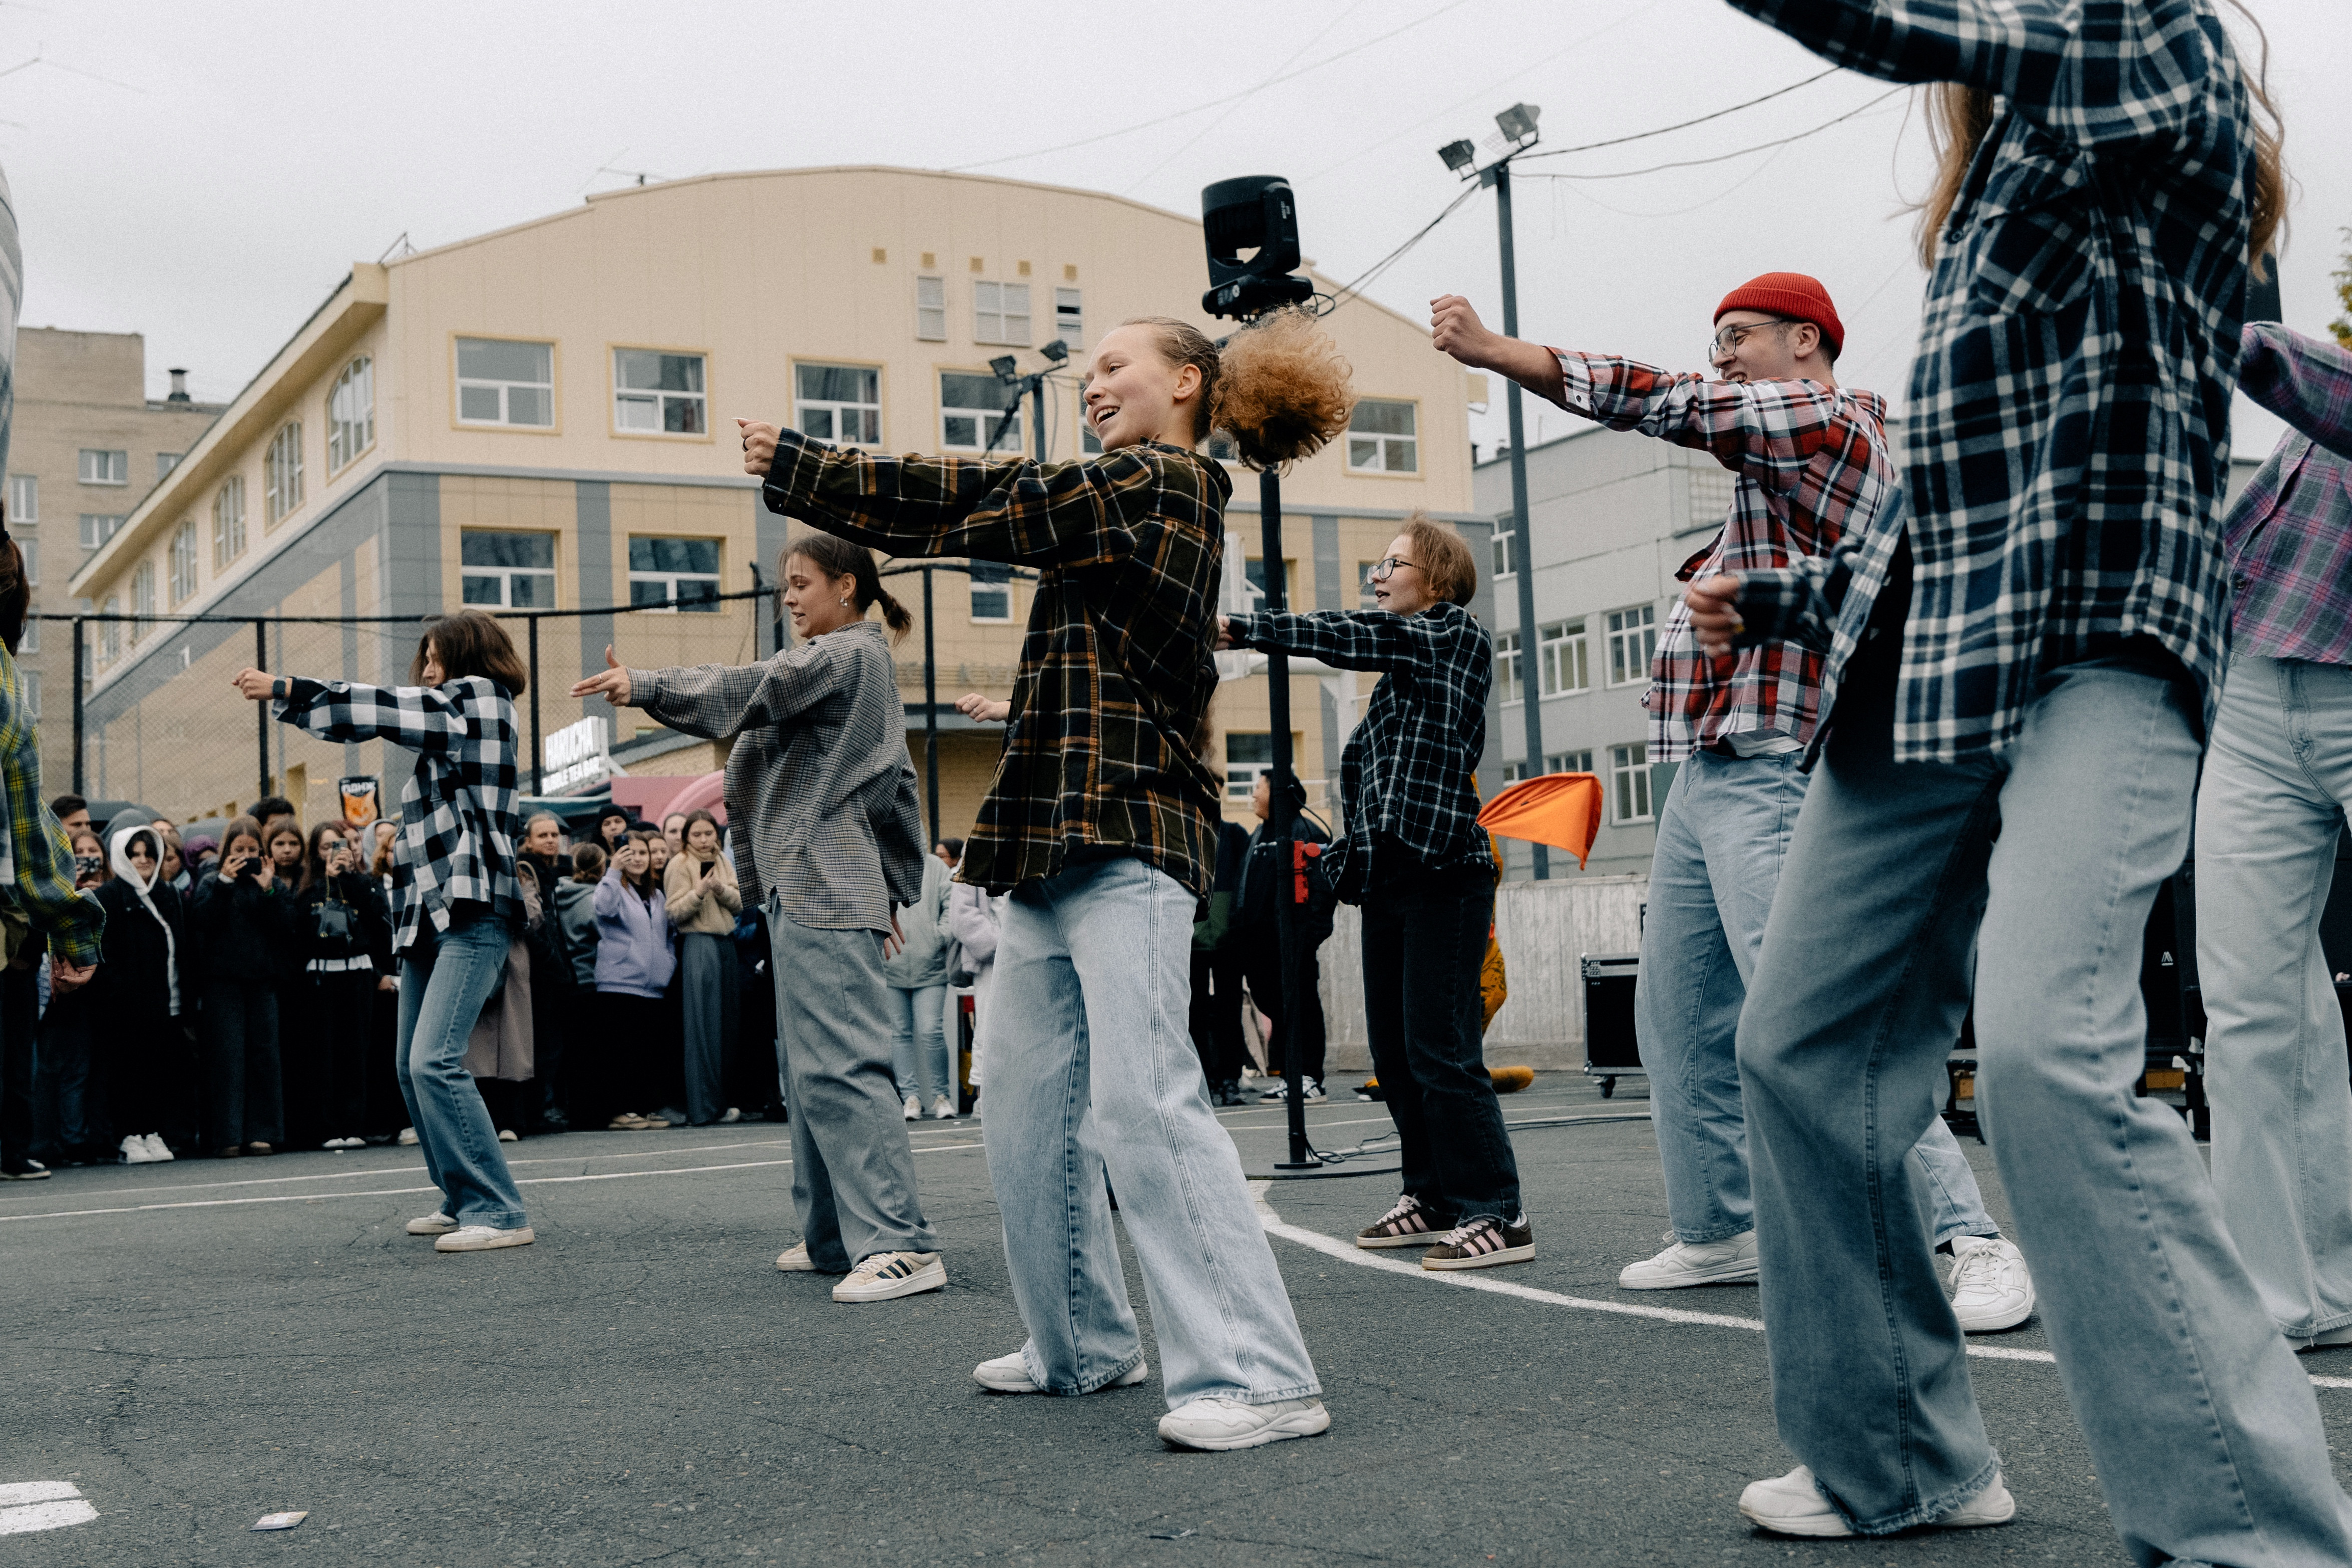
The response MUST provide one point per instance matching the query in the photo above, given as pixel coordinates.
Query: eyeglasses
(1729, 338)
(1385, 568)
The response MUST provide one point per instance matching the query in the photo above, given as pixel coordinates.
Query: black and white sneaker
(1309, 1090)
(887, 1276)
(1410, 1224)
(1482, 1242)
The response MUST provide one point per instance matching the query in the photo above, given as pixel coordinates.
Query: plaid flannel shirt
(1116, 669)
(1406, 769)
(818, 779)
(1811, 462)
(2068, 425)
(458, 819)
(36, 867)
(2289, 538)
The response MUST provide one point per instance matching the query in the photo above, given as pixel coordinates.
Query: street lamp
(1518, 124)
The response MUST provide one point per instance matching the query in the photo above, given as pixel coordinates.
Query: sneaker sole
(505, 1238)
(1297, 1423)
(1483, 1259)
(1813, 1527)
(415, 1228)
(799, 1266)
(1742, 1274)
(1139, 1372)
(1994, 1325)
(1421, 1239)
(934, 1277)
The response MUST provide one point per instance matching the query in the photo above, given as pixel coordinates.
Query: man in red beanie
(1812, 466)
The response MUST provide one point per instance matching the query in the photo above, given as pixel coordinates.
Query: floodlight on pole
(1054, 349)
(1006, 367)
(1517, 122)
(1459, 155)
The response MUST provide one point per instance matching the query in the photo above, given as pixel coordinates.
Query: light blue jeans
(442, 983)
(2268, 813)
(1723, 834)
(2202, 1429)
(1091, 1066)
(918, 1042)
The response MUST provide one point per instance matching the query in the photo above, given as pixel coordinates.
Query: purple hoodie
(633, 946)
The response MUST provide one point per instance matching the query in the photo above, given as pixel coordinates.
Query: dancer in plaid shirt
(454, 885)
(1811, 469)
(2023, 666)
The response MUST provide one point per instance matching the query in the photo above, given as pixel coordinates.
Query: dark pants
(709, 989)
(62, 1098)
(335, 1038)
(550, 1028)
(1216, 1021)
(243, 1095)
(630, 1033)
(1263, 966)
(1424, 940)
(20, 1011)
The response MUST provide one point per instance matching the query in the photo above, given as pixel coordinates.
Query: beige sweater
(693, 909)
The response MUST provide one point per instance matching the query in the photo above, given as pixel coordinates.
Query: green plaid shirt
(1115, 668)
(37, 865)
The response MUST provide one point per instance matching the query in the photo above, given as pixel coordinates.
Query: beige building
(86, 444)
(539, 420)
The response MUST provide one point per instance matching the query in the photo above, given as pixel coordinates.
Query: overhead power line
(1683, 125)
(1384, 264)
(1726, 157)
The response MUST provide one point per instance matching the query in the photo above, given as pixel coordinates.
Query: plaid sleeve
(718, 701)
(1344, 639)
(42, 860)
(421, 718)
(1767, 430)
(2096, 73)
(1007, 509)
(1797, 603)
(2305, 381)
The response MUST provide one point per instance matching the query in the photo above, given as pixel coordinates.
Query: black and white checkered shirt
(1406, 769)
(819, 778)
(458, 827)
(2067, 437)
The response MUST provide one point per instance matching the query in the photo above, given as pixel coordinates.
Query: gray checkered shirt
(819, 781)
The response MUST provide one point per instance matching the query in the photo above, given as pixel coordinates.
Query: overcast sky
(204, 173)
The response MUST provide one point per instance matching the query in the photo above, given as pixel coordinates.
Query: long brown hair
(1959, 117)
(16, 593)
(839, 558)
(471, 643)
(1279, 386)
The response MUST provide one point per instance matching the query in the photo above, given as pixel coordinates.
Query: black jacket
(368, 922)
(242, 932)
(132, 989)
(1266, 868)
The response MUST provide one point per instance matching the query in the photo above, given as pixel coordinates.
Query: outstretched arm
(1344, 639)
(2304, 381)
(719, 701)
(1454, 328)
(421, 718)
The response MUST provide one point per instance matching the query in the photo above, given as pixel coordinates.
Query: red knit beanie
(1790, 294)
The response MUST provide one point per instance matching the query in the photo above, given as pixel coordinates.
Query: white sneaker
(914, 1108)
(733, 1115)
(2325, 1340)
(408, 1136)
(1794, 1505)
(1990, 1288)
(1309, 1090)
(135, 1150)
(435, 1224)
(794, 1260)
(1683, 1264)
(887, 1276)
(943, 1109)
(484, 1239)
(157, 1150)
(508, 1135)
(1217, 1424)
(1009, 1374)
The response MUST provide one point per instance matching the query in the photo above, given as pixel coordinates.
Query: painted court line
(28, 1506)
(1348, 1252)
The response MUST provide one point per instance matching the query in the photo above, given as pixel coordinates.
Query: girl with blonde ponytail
(821, 799)
(1101, 827)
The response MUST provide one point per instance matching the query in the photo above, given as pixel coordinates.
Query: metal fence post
(538, 753)
(261, 709)
(930, 709)
(79, 745)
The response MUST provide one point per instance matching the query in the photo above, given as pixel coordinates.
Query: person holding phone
(704, 900)
(143, 1003)
(342, 937)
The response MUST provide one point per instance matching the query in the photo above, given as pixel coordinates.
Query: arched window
(351, 414)
(228, 522)
(142, 596)
(183, 562)
(110, 633)
(281, 471)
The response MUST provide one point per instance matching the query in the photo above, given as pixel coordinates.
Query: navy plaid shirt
(1406, 769)
(458, 820)
(2068, 428)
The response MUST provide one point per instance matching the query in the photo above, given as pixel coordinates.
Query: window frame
(1071, 318)
(165, 463)
(276, 507)
(880, 405)
(365, 365)
(1613, 634)
(142, 597)
(82, 467)
(1510, 689)
(1028, 315)
(1019, 412)
(233, 483)
(82, 530)
(506, 575)
(1546, 646)
(1384, 472)
(181, 554)
(1255, 591)
(1002, 585)
(612, 352)
(673, 601)
(1505, 528)
(19, 487)
(110, 633)
(941, 307)
(1629, 780)
(31, 642)
(554, 388)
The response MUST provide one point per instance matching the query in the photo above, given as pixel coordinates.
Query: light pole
(1518, 124)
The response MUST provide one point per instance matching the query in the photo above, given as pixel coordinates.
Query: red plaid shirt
(1811, 462)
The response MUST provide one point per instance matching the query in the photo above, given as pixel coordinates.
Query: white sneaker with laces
(914, 1108)
(943, 1109)
(1731, 1261)
(794, 1260)
(134, 1149)
(484, 1239)
(435, 1224)
(887, 1276)
(1309, 1090)
(1217, 1424)
(408, 1136)
(1009, 1374)
(157, 1150)
(1794, 1505)
(1992, 1290)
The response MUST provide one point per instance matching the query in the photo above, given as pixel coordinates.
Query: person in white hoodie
(139, 1037)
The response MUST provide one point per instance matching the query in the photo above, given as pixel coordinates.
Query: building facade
(537, 421)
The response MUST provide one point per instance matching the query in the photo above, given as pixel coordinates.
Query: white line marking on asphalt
(1348, 1252)
(28, 1506)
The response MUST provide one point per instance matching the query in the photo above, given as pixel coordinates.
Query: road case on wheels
(1611, 1051)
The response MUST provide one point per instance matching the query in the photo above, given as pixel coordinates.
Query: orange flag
(1563, 810)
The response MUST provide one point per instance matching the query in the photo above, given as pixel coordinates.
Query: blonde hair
(1959, 117)
(1279, 386)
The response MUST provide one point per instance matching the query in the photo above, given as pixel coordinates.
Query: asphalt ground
(194, 1345)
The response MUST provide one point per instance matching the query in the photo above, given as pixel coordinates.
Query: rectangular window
(97, 528)
(1507, 667)
(165, 463)
(1000, 313)
(110, 633)
(931, 309)
(991, 591)
(1070, 318)
(105, 467)
(1364, 600)
(1380, 438)
(501, 382)
(973, 415)
(228, 522)
(23, 498)
(1254, 568)
(183, 562)
(1629, 775)
(1246, 756)
(1633, 638)
(682, 573)
(1223, 448)
(506, 571)
(1568, 763)
(1506, 530)
(840, 403)
(32, 643)
(281, 471)
(351, 413)
(142, 597)
(30, 543)
(654, 392)
(32, 691)
(1562, 661)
